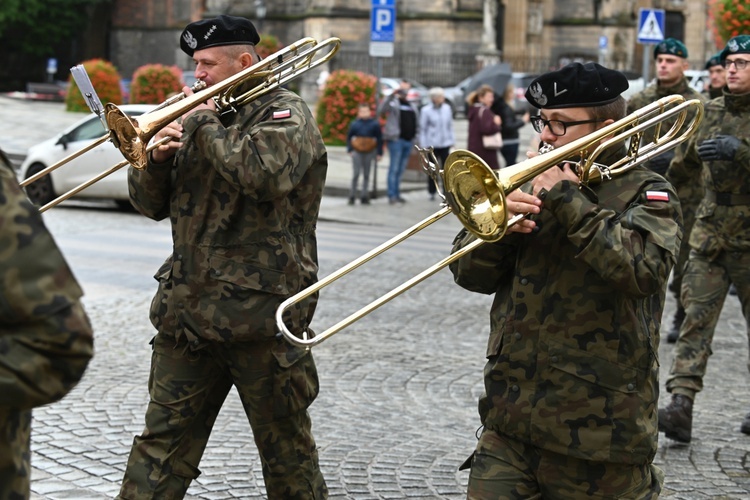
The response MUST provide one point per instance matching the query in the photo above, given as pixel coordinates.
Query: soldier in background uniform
(571, 380)
(670, 57)
(717, 76)
(45, 336)
(720, 240)
(242, 190)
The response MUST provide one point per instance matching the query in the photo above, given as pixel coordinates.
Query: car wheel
(40, 192)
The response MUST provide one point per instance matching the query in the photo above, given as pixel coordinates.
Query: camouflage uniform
(689, 194)
(720, 240)
(242, 194)
(572, 371)
(45, 336)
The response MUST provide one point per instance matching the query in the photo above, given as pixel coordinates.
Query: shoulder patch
(284, 113)
(657, 195)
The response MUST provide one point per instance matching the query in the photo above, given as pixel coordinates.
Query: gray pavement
(396, 413)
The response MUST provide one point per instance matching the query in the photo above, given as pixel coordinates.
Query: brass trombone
(476, 194)
(132, 136)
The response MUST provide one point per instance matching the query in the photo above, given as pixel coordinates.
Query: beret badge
(733, 46)
(190, 40)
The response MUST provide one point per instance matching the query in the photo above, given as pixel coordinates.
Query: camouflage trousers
(505, 469)
(187, 389)
(704, 289)
(15, 453)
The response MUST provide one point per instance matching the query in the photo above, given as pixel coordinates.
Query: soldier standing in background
(720, 239)
(717, 77)
(571, 380)
(242, 190)
(45, 336)
(670, 57)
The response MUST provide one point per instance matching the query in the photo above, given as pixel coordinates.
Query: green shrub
(106, 81)
(337, 107)
(154, 83)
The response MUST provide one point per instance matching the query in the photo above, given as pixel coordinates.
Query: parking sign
(382, 28)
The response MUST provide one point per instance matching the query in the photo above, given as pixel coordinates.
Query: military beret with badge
(715, 60)
(671, 47)
(737, 45)
(221, 30)
(576, 86)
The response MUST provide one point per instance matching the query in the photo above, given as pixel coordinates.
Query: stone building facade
(438, 42)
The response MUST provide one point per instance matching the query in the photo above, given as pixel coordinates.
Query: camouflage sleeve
(634, 250)
(45, 336)
(483, 269)
(268, 160)
(150, 189)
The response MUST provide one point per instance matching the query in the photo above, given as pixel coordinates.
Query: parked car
(697, 78)
(81, 169)
(418, 94)
(456, 96)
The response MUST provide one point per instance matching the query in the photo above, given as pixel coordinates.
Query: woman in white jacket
(436, 130)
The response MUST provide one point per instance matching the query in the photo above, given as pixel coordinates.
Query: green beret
(715, 60)
(221, 30)
(672, 47)
(576, 86)
(737, 45)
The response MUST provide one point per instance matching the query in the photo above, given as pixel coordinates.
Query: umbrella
(496, 76)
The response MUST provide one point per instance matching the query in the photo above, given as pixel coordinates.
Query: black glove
(722, 147)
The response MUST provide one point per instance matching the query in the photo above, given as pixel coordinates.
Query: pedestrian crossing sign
(651, 26)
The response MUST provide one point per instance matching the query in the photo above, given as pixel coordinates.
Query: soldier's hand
(722, 147)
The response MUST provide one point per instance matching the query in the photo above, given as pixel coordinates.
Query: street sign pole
(382, 36)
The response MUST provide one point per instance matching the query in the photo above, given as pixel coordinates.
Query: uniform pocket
(248, 275)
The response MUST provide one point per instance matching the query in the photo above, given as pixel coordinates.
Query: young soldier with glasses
(571, 380)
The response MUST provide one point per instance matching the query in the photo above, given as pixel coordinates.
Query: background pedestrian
(482, 122)
(436, 131)
(504, 106)
(364, 142)
(400, 131)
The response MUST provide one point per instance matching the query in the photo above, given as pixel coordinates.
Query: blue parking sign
(383, 21)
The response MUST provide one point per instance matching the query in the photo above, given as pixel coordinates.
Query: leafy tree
(37, 27)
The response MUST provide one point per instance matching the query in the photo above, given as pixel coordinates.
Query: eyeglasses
(738, 63)
(557, 127)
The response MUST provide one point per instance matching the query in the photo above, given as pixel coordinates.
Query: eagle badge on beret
(733, 46)
(537, 94)
(190, 40)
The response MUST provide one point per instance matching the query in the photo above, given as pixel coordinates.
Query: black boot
(674, 331)
(745, 427)
(676, 420)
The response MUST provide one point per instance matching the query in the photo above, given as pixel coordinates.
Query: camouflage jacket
(719, 227)
(242, 195)
(651, 94)
(45, 336)
(572, 353)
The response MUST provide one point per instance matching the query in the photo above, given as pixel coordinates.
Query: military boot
(745, 427)
(676, 420)
(674, 331)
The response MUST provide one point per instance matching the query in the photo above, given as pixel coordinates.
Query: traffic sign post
(382, 28)
(650, 31)
(382, 37)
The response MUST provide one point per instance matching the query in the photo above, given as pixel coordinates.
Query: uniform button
(518, 336)
(553, 359)
(631, 387)
(181, 305)
(216, 272)
(524, 281)
(195, 342)
(514, 388)
(179, 256)
(279, 288)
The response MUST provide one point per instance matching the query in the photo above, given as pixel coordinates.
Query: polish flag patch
(284, 113)
(657, 196)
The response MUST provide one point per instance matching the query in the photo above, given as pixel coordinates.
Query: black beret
(672, 47)
(221, 30)
(576, 86)
(737, 45)
(715, 60)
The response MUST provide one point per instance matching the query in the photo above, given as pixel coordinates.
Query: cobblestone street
(396, 414)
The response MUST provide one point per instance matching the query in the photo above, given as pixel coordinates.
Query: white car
(83, 168)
